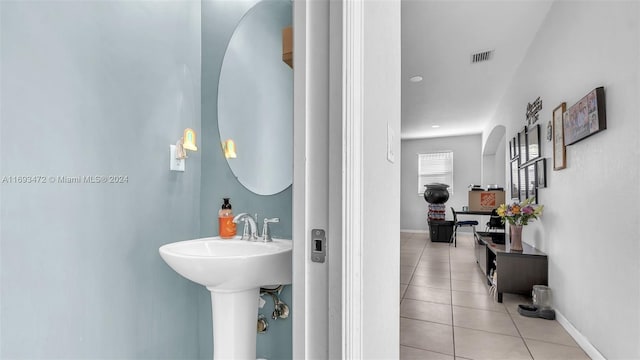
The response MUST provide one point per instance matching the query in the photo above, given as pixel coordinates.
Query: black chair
(495, 221)
(457, 224)
(495, 228)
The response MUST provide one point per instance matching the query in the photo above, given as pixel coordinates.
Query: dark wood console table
(517, 271)
(474, 212)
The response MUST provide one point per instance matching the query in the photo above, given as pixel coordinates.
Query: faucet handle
(245, 232)
(266, 234)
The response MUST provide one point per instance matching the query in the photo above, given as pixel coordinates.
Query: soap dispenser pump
(225, 220)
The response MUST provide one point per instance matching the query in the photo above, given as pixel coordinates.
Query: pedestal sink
(233, 270)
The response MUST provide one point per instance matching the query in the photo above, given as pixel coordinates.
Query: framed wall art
(585, 118)
(515, 181)
(522, 181)
(511, 154)
(541, 173)
(532, 182)
(522, 143)
(559, 150)
(533, 142)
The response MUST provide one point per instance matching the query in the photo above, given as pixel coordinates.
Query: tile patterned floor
(446, 311)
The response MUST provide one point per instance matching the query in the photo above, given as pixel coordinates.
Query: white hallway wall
(590, 225)
(467, 158)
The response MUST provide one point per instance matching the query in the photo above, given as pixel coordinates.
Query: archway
(494, 157)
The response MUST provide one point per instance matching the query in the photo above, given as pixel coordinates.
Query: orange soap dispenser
(225, 220)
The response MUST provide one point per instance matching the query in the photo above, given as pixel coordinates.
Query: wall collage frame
(570, 125)
(528, 167)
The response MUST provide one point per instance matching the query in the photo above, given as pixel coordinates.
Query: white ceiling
(438, 38)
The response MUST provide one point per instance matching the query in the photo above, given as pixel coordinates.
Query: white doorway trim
(352, 164)
(346, 132)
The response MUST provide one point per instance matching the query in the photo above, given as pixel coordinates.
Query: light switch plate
(175, 164)
(391, 157)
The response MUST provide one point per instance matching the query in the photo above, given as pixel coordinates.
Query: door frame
(328, 180)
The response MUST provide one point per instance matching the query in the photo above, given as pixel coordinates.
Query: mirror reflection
(255, 100)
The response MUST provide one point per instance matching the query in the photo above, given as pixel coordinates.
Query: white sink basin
(230, 264)
(233, 270)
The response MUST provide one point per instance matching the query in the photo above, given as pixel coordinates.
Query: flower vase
(516, 237)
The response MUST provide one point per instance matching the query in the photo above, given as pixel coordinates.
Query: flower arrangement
(520, 214)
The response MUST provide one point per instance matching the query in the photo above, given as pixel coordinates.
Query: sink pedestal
(233, 271)
(235, 316)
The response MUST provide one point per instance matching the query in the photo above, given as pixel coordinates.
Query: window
(435, 168)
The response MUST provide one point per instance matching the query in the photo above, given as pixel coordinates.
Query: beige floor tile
(463, 266)
(475, 344)
(511, 302)
(407, 269)
(477, 301)
(409, 259)
(548, 351)
(440, 248)
(431, 281)
(438, 245)
(470, 286)
(433, 261)
(463, 254)
(485, 320)
(403, 289)
(406, 272)
(467, 261)
(406, 236)
(409, 353)
(405, 278)
(428, 294)
(484, 329)
(435, 254)
(436, 266)
(468, 275)
(543, 330)
(433, 272)
(428, 311)
(426, 335)
(410, 251)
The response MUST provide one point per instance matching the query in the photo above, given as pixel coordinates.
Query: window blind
(435, 168)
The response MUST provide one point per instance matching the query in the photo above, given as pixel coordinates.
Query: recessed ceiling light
(435, 126)
(416, 78)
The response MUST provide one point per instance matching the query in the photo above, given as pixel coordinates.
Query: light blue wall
(97, 88)
(219, 19)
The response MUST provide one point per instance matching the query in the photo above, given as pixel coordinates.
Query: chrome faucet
(250, 231)
(266, 234)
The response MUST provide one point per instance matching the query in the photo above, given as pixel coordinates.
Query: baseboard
(579, 338)
(414, 231)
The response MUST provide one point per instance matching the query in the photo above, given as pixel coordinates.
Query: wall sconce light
(178, 152)
(189, 140)
(229, 149)
(186, 142)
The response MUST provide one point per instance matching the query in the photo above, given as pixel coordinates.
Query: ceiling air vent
(481, 56)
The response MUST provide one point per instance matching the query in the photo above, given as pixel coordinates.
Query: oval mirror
(255, 100)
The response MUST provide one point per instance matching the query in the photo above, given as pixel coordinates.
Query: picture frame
(510, 150)
(515, 180)
(585, 118)
(522, 183)
(522, 144)
(559, 149)
(541, 173)
(533, 142)
(532, 182)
